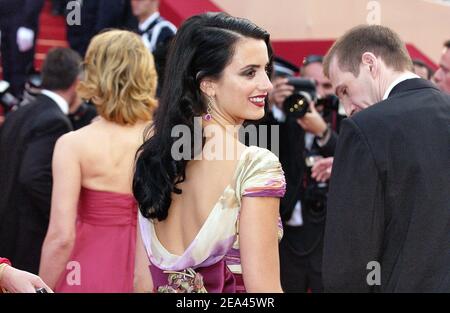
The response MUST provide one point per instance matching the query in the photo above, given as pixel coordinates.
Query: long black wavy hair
(203, 47)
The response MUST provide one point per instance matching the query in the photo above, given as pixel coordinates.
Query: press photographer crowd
(354, 198)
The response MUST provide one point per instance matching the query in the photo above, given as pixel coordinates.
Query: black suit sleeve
(35, 172)
(355, 216)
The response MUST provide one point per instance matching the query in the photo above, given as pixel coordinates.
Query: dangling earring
(207, 117)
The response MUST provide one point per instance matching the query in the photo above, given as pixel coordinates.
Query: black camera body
(33, 86)
(315, 193)
(7, 100)
(297, 104)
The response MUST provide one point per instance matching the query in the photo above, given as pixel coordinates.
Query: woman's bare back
(106, 153)
(206, 180)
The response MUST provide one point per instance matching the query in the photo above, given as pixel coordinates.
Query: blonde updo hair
(120, 77)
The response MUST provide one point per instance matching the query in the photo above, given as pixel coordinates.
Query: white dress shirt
(401, 78)
(150, 43)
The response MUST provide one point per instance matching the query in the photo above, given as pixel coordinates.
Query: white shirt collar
(60, 101)
(143, 26)
(401, 78)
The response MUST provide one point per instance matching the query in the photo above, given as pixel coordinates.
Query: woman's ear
(207, 87)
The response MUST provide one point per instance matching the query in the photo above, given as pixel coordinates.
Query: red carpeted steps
(52, 33)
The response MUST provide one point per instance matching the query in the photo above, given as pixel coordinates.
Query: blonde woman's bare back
(106, 153)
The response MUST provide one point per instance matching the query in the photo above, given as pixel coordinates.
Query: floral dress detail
(212, 261)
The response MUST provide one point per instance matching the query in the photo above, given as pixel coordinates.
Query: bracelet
(325, 133)
(323, 140)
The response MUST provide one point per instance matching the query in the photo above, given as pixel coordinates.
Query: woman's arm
(258, 242)
(60, 237)
(142, 276)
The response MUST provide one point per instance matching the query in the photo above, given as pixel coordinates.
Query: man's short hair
(447, 44)
(61, 68)
(380, 40)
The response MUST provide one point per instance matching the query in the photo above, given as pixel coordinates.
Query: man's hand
(321, 170)
(313, 122)
(281, 90)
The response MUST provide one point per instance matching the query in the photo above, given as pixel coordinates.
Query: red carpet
(52, 33)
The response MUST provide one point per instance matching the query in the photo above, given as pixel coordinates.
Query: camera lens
(296, 105)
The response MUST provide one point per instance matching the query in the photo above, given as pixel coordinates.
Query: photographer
(442, 75)
(305, 136)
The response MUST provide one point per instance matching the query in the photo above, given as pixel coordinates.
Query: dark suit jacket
(27, 140)
(96, 16)
(389, 198)
(21, 12)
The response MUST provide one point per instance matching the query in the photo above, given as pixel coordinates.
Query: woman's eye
(251, 73)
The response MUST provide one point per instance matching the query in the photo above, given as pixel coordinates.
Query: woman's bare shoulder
(82, 136)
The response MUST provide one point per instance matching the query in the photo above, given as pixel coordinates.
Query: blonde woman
(91, 241)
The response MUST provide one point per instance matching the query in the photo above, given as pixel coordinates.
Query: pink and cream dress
(212, 260)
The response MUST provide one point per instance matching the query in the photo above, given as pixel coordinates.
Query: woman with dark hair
(211, 223)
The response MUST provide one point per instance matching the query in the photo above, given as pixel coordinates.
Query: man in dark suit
(388, 214)
(19, 27)
(27, 139)
(95, 16)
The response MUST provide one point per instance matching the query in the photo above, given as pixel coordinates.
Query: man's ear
(75, 84)
(370, 61)
(207, 87)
